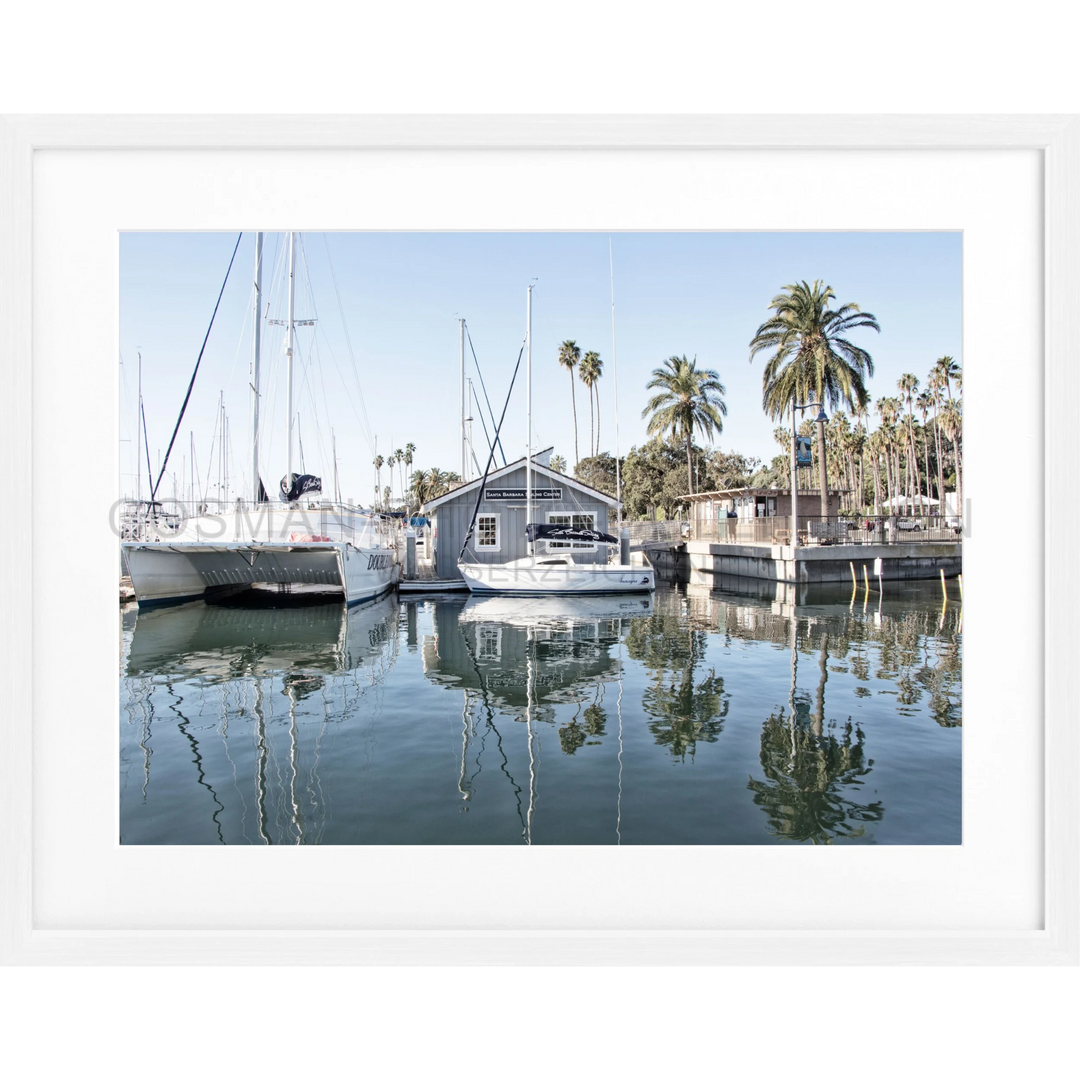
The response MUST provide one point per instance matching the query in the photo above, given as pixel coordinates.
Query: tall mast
(528, 413)
(464, 441)
(255, 371)
(615, 373)
(289, 352)
(138, 442)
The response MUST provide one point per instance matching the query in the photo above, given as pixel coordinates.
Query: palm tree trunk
(877, 484)
(940, 463)
(596, 390)
(926, 462)
(823, 469)
(689, 466)
(590, 423)
(573, 402)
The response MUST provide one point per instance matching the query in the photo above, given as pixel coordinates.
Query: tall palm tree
(589, 371)
(813, 358)
(558, 463)
(378, 463)
(952, 426)
(948, 372)
(936, 386)
(907, 385)
(569, 357)
(688, 399)
(410, 449)
(925, 401)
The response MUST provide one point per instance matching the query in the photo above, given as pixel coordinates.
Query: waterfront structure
(751, 514)
(500, 518)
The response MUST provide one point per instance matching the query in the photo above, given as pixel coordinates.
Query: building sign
(539, 494)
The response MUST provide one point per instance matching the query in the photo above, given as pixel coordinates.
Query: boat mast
(615, 374)
(528, 416)
(138, 441)
(255, 371)
(461, 349)
(289, 353)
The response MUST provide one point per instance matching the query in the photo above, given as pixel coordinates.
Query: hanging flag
(803, 457)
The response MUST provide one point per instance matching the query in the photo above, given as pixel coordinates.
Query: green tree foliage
(598, 472)
(689, 400)
(812, 358)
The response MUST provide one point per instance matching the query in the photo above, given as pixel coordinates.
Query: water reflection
(686, 700)
(815, 764)
(217, 666)
(697, 716)
(524, 659)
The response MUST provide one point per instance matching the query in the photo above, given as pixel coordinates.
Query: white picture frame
(23, 940)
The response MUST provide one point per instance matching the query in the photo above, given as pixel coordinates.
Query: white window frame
(570, 545)
(481, 549)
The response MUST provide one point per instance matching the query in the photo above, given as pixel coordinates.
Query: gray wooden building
(499, 534)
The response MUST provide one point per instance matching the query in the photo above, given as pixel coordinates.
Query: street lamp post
(821, 418)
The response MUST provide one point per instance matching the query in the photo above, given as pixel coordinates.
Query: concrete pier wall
(827, 564)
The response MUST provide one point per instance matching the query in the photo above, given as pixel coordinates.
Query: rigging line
(491, 458)
(491, 412)
(191, 385)
(486, 437)
(210, 462)
(348, 343)
(146, 443)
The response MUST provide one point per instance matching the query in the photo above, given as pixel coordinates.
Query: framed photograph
(1007, 893)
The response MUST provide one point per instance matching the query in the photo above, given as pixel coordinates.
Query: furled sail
(565, 533)
(293, 486)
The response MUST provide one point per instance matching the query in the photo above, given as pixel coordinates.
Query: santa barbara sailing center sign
(539, 494)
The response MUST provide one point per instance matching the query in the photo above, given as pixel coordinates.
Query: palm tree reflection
(812, 767)
(688, 706)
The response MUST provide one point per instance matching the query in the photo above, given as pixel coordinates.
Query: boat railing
(240, 520)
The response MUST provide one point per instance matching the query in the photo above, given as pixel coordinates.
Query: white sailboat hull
(164, 573)
(527, 578)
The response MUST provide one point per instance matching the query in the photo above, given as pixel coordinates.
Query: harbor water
(731, 716)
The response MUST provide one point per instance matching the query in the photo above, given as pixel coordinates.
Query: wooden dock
(432, 585)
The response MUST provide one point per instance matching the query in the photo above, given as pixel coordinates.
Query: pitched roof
(542, 470)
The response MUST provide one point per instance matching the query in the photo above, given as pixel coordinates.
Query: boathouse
(753, 515)
(499, 533)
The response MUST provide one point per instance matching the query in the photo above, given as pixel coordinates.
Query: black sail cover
(293, 486)
(564, 532)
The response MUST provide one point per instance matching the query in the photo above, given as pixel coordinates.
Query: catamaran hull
(543, 580)
(163, 573)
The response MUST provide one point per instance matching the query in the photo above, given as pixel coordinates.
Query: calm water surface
(690, 717)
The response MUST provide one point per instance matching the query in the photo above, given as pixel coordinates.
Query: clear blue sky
(699, 294)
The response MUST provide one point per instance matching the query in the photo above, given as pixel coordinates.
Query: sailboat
(539, 573)
(305, 542)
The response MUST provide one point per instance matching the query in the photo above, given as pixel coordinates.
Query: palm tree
(907, 385)
(936, 398)
(948, 371)
(378, 463)
(925, 400)
(688, 399)
(814, 360)
(589, 371)
(418, 486)
(558, 463)
(952, 426)
(410, 449)
(569, 356)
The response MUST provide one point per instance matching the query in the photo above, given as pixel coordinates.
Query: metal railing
(645, 533)
(815, 530)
